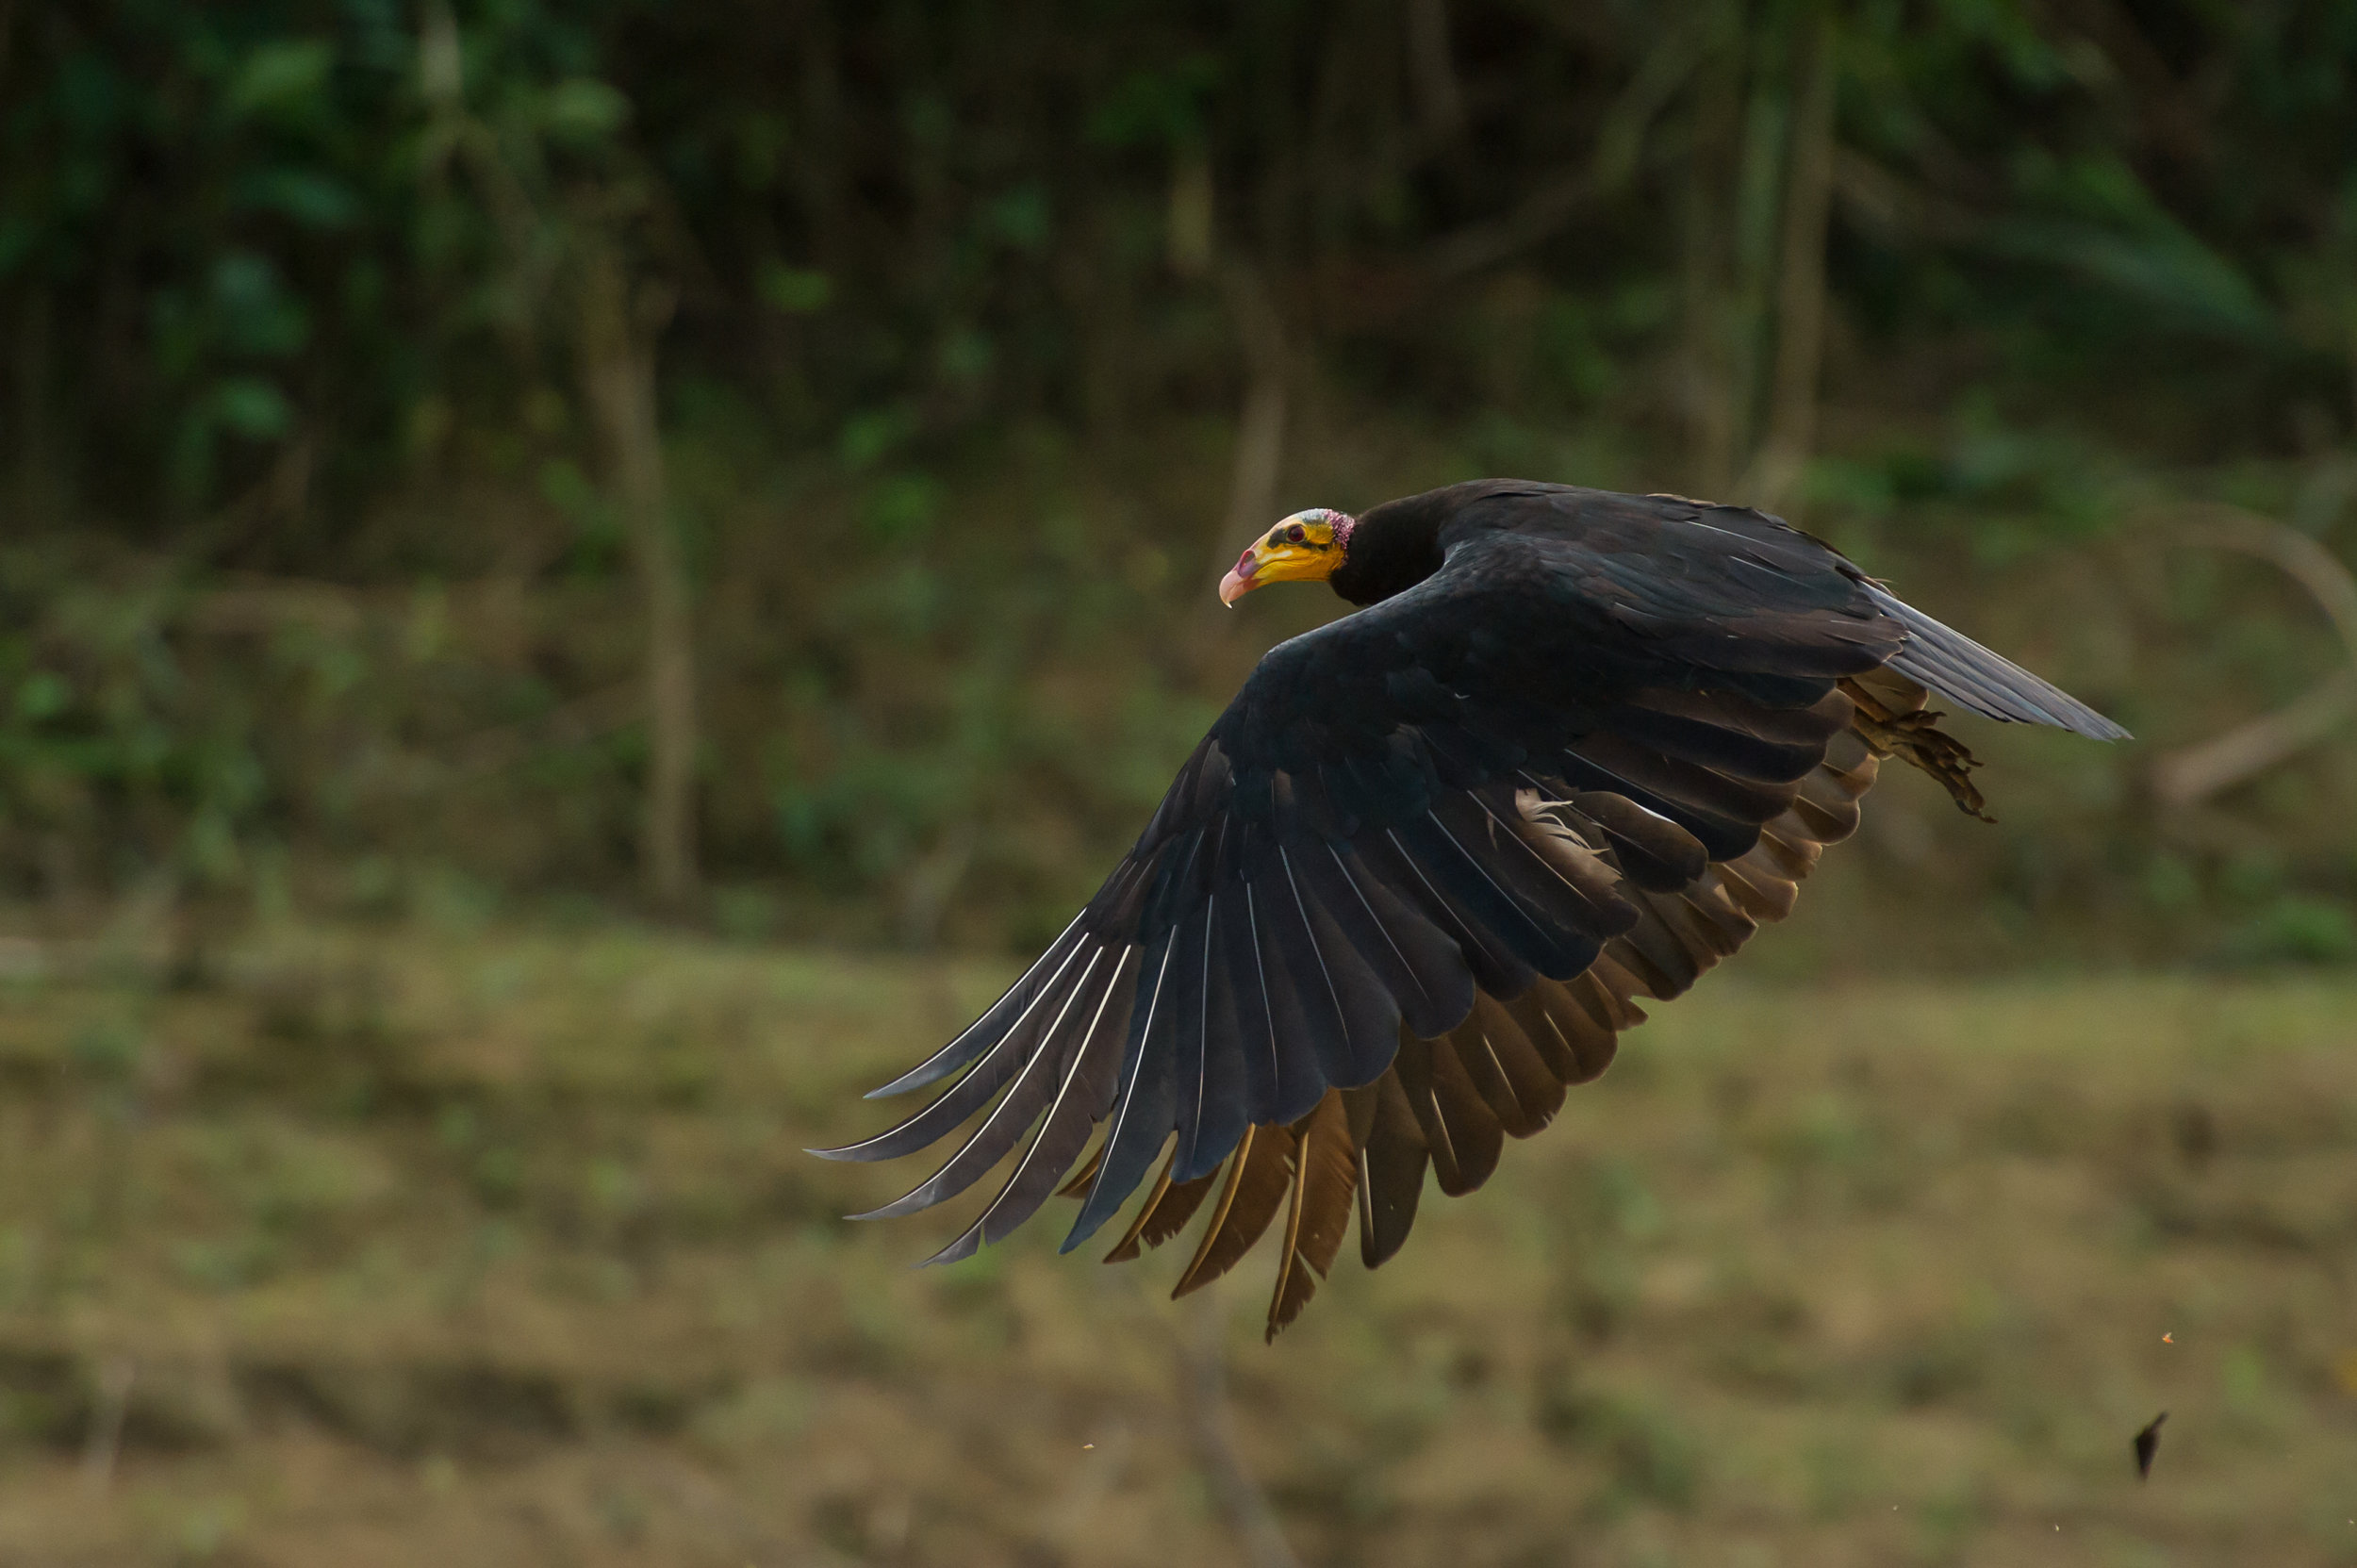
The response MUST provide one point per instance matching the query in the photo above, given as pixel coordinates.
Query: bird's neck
(1393, 548)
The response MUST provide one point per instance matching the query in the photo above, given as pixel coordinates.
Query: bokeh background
(580, 579)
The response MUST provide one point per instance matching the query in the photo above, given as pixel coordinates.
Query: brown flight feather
(1324, 1174)
(1085, 1178)
(1257, 1184)
(1391, 1161)
(1460, 1129)
(1163, 1215)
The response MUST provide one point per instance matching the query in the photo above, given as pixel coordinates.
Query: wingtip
(904, 1083)
(901, 1208)
(2092, 725)
(1086, 1223)
(957, 1251)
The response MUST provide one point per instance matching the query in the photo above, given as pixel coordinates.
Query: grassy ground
(390, 1247)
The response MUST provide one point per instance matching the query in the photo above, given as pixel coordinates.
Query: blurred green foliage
(313, 589)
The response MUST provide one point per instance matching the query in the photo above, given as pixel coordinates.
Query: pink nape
(1344, 524)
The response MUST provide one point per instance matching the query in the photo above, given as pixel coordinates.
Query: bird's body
(1572, 750)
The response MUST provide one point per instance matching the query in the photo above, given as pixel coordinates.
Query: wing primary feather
(1301, 1026)
(1722, 838)
(1289, 1244)
(1256, 1185)
(1460, 1129)
(1188, 1133)
(1127, 1247)
(1653, 852)
(1268, 1007)
(1493, 895)
(1391, 944)
(1495, 965)
(1142, 1113)
(1298, 1081)
(1078, 1104)
(984, 1032)
(1325, 997)
(1011, 1054)
(1325, 1173)
(1602, 908)
(1559, 952)
(1418, 965)
(1366, 1010)
(1007, 1122)
(1474, 1129)
(1576, 1042)
(1982, 679)
(1254, 1011)
(1515, 1075)
(1393, 1158)
(1085, 1178)
(1190, 986)
(1219, 1116)
(1163, 1215)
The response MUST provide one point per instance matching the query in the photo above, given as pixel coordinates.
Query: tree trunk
(1260, 454)
(618, 371)
(1800, 276)
(1432, 67)
(1706, 390)
(36, 493)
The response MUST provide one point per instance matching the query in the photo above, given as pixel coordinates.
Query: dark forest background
(532, 531)
(766, 465)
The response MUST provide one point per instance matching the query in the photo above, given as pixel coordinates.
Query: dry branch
(1203, 1401)
(618, 328)
(2191, 774)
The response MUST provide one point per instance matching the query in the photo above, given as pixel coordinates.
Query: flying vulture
(1569, 752)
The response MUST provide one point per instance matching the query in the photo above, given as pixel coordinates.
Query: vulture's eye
(1294, 534)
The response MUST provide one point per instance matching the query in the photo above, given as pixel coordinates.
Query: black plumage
(1574, 746)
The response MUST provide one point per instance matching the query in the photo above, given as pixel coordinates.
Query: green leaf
(903, 507)
(871, 436)
(2189, 285)
(252, 407)
(313, 200)
(43, 695)
(1157, 107)
(256, 313)
(796, 290)
(582, 111)
(282, 79)
(1021, 218)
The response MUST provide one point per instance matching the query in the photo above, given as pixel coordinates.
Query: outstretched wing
(1409, 885)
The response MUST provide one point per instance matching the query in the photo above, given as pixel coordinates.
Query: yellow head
(1305, 547)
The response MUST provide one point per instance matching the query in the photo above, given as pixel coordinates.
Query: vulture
(1569, 749)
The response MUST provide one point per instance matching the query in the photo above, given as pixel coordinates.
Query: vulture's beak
(1301, 548)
